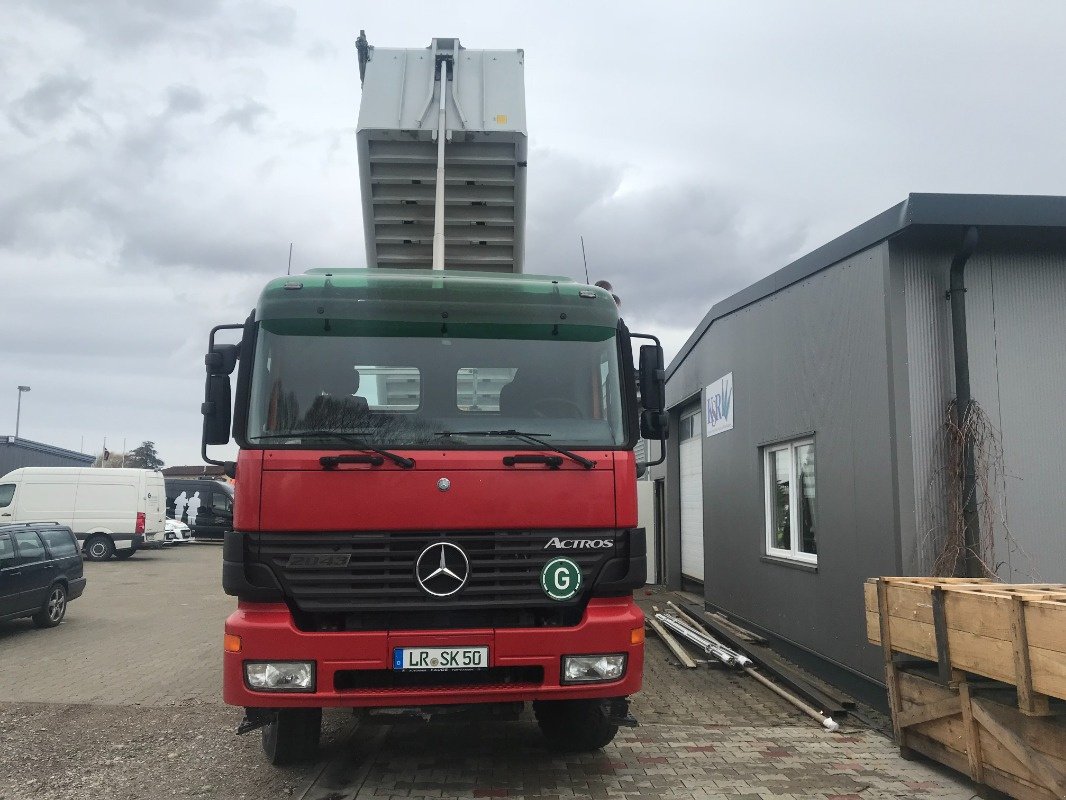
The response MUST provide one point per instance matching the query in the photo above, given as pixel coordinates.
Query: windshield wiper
(529, 438)
(352, 441)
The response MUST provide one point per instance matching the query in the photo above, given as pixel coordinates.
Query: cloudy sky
(158, 156)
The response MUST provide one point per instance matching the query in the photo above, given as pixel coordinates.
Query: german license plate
(440, 658)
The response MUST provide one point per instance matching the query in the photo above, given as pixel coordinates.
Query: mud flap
(256, 718)
(617, 710)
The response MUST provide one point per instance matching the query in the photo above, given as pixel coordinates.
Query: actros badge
(442, 569)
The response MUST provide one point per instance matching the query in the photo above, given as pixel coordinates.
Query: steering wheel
(556, 408)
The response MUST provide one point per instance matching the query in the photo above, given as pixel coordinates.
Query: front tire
(575, 726)
(99, 548)
(292, 737)
(54, 608)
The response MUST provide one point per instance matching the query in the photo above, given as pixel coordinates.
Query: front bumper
(268, 634)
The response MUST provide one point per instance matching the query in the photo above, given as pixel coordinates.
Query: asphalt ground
(123, 701)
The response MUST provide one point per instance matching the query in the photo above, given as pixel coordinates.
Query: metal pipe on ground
(827, 722)
(708, 644)
(671, 643)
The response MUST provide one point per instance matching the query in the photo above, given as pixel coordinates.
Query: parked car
(113, 512)
(204, 504)
(40, 572)
(176, 533)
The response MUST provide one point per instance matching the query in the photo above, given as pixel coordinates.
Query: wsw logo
(719, 404)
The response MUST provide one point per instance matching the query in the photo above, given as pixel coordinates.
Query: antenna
(289, 270)
(585, 260)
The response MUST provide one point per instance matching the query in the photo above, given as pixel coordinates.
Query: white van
(113, 512)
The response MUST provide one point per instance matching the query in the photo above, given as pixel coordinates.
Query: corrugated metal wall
(930, 374)
(1016, 324)
(810, 359)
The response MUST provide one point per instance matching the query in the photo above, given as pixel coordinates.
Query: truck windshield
(395, 391)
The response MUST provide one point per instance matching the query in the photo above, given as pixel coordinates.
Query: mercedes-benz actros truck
(435, 500)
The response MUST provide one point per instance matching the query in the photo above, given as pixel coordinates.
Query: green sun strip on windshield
(323, 326)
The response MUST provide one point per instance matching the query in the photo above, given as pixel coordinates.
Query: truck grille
(366, 580)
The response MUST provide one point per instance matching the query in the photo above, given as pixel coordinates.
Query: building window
(791, 518)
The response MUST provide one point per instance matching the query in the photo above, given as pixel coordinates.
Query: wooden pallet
(1015, 633)
(936, 635)
(979, 733)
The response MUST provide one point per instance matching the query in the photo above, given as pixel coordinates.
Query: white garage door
(691, 445)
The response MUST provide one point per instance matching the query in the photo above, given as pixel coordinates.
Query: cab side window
(7, 491)
(30, 549)
(7, 552)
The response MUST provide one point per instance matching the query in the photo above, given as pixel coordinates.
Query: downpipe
(971, 565)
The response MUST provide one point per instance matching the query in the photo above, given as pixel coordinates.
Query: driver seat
(337, 407)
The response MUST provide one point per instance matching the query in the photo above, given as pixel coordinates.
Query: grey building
(16, 453)
(809, 443)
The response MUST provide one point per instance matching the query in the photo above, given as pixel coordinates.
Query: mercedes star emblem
(442, 569)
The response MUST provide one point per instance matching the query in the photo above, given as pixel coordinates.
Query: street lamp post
(18, 409)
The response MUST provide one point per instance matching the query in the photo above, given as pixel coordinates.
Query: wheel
(293, 736)
(54, 608)
(99, 548)
(575, 726)
(557, 408)
(122, 555)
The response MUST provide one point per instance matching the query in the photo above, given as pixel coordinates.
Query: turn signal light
(232, 643)
(636, 636)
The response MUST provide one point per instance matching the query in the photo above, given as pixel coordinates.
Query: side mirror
(222, 359)
(652, 378)
(654, 424)
(216, 409)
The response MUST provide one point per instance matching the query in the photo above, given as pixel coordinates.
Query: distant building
(16, 453)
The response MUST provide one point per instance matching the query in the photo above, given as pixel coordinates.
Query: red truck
(436, 500)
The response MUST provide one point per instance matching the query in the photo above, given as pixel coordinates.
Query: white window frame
(794, 553)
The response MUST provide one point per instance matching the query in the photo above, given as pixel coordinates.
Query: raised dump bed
(976, 676)
(483, 117)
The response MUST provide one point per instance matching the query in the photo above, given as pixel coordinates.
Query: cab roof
(437, 302)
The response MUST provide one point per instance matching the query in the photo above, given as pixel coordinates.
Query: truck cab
(437, 500)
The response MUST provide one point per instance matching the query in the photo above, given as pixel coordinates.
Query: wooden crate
(980, 733)
(1015, 633)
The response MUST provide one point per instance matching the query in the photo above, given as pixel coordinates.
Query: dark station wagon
(40, 572)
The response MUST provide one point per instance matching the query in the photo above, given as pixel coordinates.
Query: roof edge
(933, 209)
(41, 447)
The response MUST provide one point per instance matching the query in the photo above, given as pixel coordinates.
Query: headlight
(588, 669)
(280, 676)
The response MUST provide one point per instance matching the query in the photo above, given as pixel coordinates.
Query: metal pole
(18, 409)
(438, 207)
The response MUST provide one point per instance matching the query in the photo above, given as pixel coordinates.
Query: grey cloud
(670, 251)
(244, 116)
(184, 100)
(50, 100)
(222, 28)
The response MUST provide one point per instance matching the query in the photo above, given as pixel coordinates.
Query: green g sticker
(561, 579)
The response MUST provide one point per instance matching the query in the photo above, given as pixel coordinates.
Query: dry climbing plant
(947, 540)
